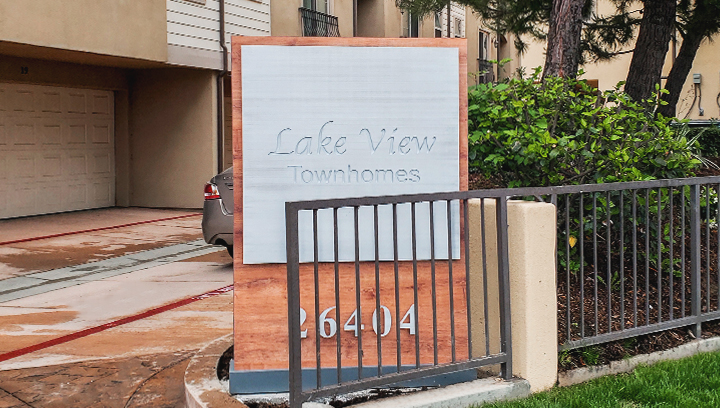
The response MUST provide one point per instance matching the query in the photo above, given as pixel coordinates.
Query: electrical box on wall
(697, 78)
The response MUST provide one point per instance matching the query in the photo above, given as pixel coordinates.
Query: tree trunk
(563, 47)
(680, 70)
(651, 48)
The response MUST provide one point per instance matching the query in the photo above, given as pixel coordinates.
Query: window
(438, 25)
(483, 44)
(458, 28)
(323, 6)
(485, 68)
(410, 25)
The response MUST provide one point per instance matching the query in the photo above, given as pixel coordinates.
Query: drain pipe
(448, 19)
(220, 91)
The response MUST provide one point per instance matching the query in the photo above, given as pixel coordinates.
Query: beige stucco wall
(41, 72)
(707, 63)
(133, 29)
(285, 18)
(472, 25)
(533, 300)
(172, 137)
(344, 12)
(393, 19)
(371, 18)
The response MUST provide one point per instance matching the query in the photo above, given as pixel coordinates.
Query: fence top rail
(495, 193)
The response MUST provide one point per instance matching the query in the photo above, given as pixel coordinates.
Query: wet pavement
(120, 273)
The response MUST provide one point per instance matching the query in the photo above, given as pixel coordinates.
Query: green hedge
(529, 132)
(708, 138)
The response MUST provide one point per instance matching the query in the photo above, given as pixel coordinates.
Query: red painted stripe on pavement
(83, 333)
(62, 234)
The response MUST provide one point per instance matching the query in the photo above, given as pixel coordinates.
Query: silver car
(217, 222)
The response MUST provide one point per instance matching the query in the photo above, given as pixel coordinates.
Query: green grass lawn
(693, 382)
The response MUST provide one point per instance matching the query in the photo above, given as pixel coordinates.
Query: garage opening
(56, 149)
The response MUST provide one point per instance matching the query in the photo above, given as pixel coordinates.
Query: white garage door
(56, 149)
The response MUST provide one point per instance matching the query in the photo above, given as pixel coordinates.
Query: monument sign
(318, 118)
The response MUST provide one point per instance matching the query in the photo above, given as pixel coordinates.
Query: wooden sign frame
(260, 291)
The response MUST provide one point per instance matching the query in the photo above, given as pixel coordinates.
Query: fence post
(530, 247)
(504, 284)
(293, 281)
(695, 286)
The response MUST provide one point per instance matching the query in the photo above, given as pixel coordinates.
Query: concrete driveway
(103, 308)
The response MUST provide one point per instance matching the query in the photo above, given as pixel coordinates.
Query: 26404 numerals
(327, 326)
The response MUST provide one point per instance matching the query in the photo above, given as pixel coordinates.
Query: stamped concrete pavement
(139, 363)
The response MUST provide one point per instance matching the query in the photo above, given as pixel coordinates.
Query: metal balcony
(486, 71)
(317, 24)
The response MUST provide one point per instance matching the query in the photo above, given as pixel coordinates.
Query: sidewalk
(140, 363)
(20, 258)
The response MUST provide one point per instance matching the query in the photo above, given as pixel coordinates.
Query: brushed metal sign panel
(332, 122)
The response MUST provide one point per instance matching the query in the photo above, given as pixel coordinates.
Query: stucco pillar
(533, 302)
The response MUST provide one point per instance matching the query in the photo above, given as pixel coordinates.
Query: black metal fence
(410, 252)
(317, 24)
(632, 258)
(636, 258)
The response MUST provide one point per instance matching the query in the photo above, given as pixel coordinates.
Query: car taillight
(211, 191)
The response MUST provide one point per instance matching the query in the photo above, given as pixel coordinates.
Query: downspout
(221, 91)
(448, 19)
(355, 18)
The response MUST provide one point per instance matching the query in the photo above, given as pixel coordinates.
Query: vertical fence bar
(682, 250)
(397, 289)
(316, 279)
(595, 263)
(695, 258)
(433, 295)
(336, 251)
(581, 237)
(671, 255)
(358, 311)
(293, 277)
(484, 277)
(504, 285)
(466, 251)
(659, 254)
(717, 223)
(415, 286)
(568, 317)
(608, 282)
(634, 238)
(376, 322)
(707, 246)
(622, 259)
(647, 256)
(450, 279)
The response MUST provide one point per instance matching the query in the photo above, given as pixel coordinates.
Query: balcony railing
(317, 24)
(486, 71)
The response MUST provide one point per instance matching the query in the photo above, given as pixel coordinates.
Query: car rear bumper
(217, 224)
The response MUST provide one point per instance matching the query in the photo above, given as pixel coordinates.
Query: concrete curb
(204, 390)
(580, 375)
(458, 395)
(202, 387)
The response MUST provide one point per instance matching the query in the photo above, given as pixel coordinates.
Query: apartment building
(127, 103)
(106, 102)
(382, 18)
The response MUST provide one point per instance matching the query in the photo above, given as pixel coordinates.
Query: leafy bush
(559, 131)
(708, 138)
